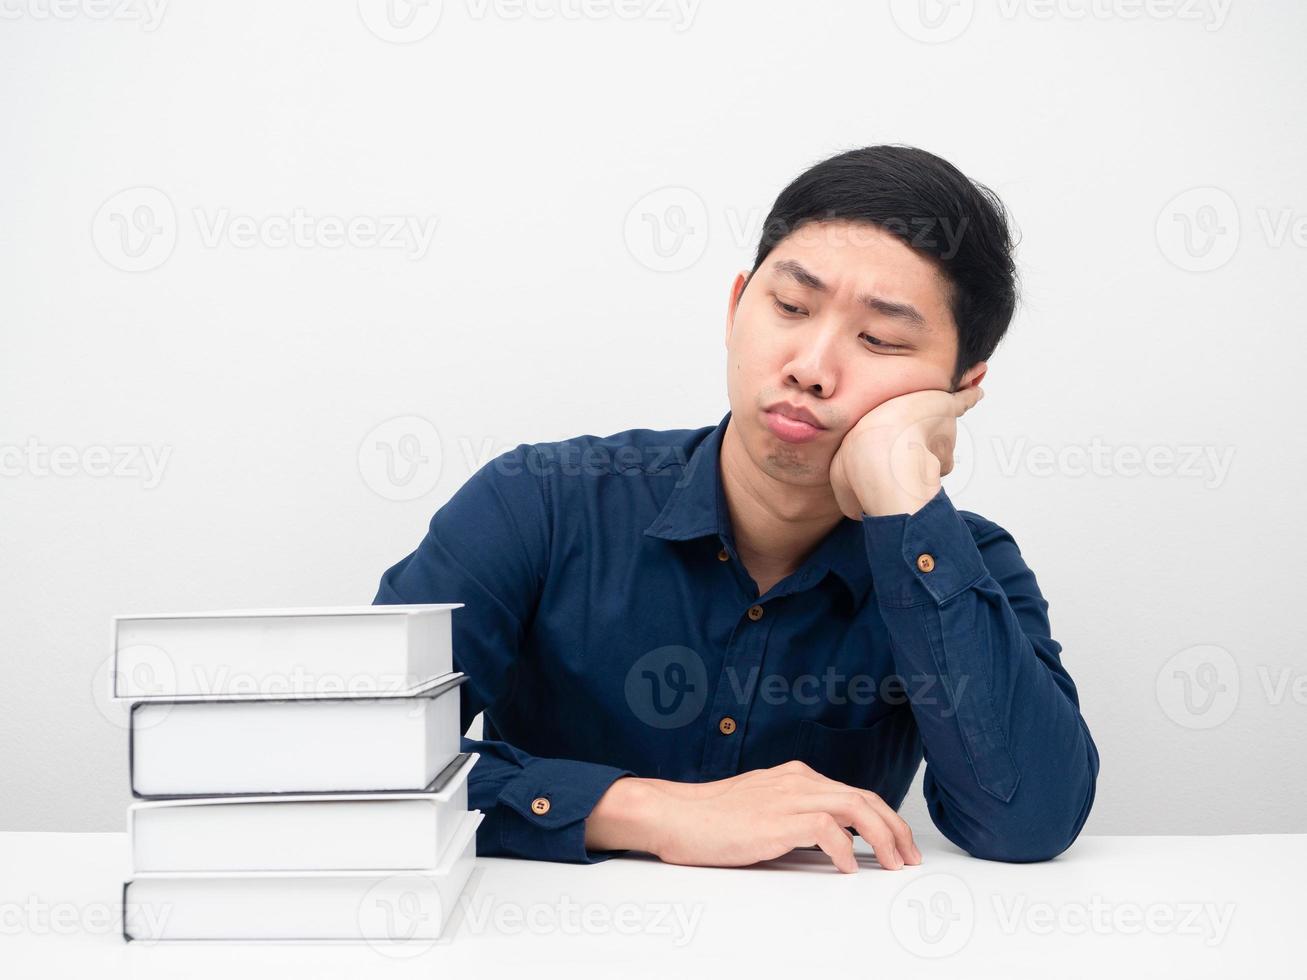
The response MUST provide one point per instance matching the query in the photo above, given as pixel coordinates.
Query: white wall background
(537, 311)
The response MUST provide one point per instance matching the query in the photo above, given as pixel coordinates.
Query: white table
(1121, 907)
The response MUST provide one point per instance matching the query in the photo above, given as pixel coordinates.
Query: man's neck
(776, 525)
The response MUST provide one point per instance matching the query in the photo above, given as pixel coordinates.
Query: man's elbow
(1024, 849)
(1037, 824)
(1043, 837)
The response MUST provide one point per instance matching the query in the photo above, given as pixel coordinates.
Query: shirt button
(925, 562)
(723, 556)
(755, 613)
(726, 725)
(540, 806)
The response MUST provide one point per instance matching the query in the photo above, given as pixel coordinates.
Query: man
(715, 645)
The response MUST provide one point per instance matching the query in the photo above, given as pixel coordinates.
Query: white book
(373, 906)
(206, 747)
(281, 652)
(302, 832)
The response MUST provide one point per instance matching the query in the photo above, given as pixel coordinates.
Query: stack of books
(297, 773)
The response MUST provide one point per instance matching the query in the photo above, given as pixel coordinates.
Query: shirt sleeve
(1011, 768)
(488, 548)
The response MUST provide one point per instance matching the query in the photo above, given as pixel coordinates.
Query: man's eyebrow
(906, 312)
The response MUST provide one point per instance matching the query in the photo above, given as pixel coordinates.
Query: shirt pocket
(881, 757)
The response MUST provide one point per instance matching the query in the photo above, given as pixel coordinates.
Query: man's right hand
(755, 816)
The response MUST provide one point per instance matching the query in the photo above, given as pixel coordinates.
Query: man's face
(840, 317)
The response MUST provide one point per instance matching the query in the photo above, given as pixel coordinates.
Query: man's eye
(879, 344)
(789, 309)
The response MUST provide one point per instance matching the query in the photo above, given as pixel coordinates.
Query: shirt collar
(697, 508)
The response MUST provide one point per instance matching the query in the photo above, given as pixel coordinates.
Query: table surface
(1166, 906)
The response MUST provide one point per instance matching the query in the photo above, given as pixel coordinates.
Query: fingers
(903, 840)
(822, 830)
(852, 809)
(966, 398)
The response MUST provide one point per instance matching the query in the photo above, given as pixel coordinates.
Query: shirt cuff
(917, 558)
(546, 805)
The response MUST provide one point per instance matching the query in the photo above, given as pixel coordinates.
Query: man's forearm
(1011, 767)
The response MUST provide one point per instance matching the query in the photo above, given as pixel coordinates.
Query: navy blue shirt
(609, 629)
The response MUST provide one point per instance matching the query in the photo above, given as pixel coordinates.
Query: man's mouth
(791, 429)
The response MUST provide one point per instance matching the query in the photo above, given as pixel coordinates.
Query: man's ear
(737, 290)
(974, 375)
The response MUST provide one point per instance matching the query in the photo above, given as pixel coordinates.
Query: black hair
(936, 210)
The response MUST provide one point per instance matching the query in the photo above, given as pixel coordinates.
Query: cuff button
(540, 806)
(926, 562)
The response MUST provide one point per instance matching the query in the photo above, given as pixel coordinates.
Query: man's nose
(813, 367)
